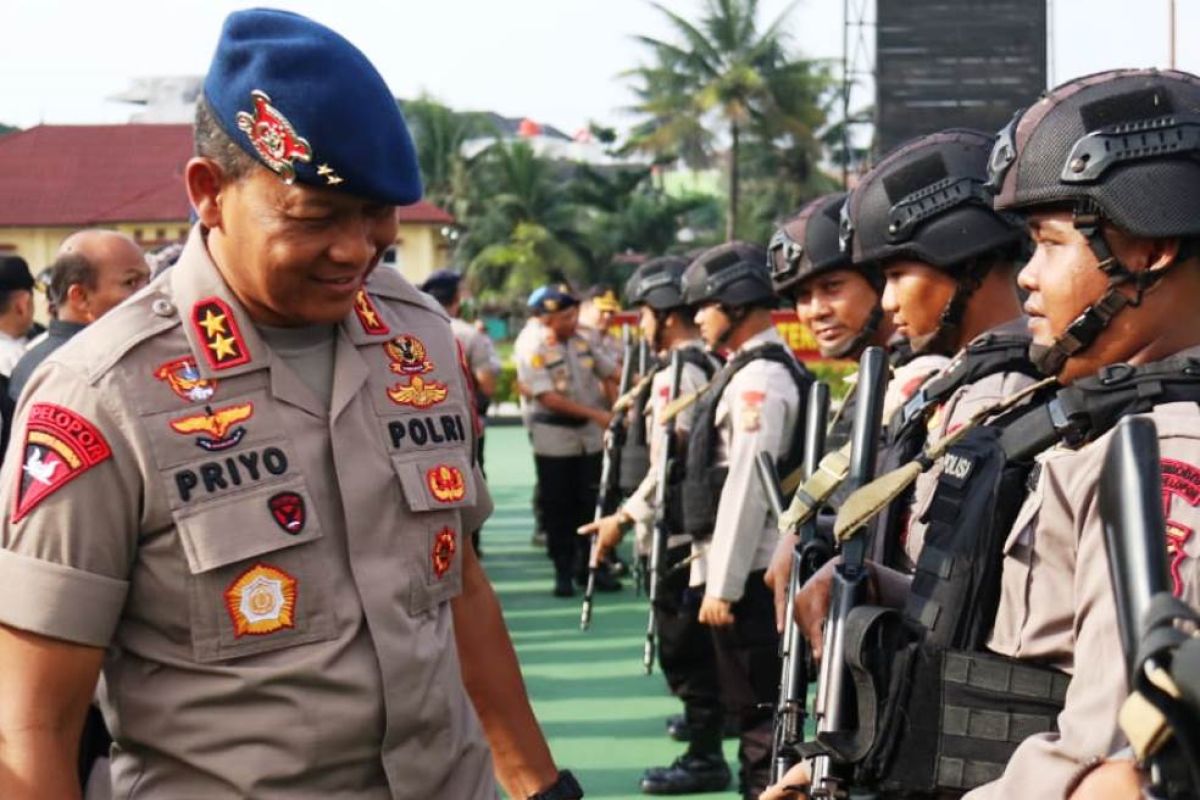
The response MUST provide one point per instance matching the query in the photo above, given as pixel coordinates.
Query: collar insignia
(218, 333)
(273, 137)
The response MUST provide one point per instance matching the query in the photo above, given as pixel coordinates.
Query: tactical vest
(700, 490)
(635, 454)
(908, 430)
(938, 713)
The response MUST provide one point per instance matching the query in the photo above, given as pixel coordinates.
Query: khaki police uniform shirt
(528, 339)
(270, 575)
(603, 342)
(641, 505)
(574, 370)
(477, 347)
(1056, 603)
(951, 416)
(759, 411)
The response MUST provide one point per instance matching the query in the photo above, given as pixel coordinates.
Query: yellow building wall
(420, 250)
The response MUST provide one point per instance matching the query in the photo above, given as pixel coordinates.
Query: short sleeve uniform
(270, 574)
(576, 371)
(1056, 604)
(477, 347)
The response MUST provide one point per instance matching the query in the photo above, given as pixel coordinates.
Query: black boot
(563, 586)
(688, 774)
(677, 728)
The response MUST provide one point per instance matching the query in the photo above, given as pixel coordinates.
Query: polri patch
(218, 425)
(288, 510)
(218, 332)
(261, 600)
(368, 315)
(445, 545)
(183, 377)
(60, 445)
(446, 483)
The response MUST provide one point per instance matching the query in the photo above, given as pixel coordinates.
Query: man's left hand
(716, 612)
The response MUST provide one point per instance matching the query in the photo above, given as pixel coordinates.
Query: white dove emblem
(41, 471)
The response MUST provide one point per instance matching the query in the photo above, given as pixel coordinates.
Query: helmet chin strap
(1087, 327)
(736, 315)
(854, 347)
(944, 338)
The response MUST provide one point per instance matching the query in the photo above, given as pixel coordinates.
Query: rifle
(1161, 716)
(614, 439)
(834, 706)
(658, 546)
(644, 360)
(810, 553)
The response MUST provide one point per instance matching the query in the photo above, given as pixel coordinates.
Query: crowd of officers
(1030, 290)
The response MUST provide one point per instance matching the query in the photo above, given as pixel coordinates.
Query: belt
(559, 420)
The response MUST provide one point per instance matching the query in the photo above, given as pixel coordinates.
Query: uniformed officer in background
(569, 383)
(599, 308)
(754, 404)
(243, 491)
(527, 340)
(685, 646)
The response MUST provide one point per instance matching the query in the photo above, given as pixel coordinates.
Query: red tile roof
(76, 175)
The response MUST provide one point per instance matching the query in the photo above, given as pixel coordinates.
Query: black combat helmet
(929, 201)
(1119, 147)
(658, 283)
(807, 244)
(733, 274)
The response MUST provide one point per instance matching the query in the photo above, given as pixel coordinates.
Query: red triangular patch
(60, 446)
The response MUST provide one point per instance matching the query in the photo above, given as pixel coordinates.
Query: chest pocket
(256, 581)
(436, 486)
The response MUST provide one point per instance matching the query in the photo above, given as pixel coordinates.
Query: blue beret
(552, 297)
(309, 106)
(442, 284)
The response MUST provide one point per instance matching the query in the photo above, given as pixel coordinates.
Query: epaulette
(99, 347)
(388, 283)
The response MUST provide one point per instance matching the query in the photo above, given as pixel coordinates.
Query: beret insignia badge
(446, 483)
(445, 546)
(261, 600)
(273, 137)
(60, 446)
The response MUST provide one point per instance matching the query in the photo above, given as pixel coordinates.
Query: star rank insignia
(273, 137)
(331, 177)
(445, 545)
(261, 600)
(368, 315)
(217, 330)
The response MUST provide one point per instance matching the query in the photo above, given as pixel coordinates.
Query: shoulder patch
(60, 445)
(1181, 480)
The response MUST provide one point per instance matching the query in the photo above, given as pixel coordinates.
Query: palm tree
(726, 66)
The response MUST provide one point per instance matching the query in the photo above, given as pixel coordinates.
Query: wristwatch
(565, 788)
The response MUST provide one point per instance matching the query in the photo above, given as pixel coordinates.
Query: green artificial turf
(604, 718)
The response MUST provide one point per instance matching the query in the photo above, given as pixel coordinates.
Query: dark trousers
(687, 658)
(748, 666)
(479, 461)
(567, 489)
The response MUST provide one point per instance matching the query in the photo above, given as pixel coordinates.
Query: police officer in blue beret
(244, 493)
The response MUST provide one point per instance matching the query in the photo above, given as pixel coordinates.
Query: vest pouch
(700, 496)
(957, 717)
(635, 463)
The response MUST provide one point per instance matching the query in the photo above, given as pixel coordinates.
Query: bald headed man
(93, 272)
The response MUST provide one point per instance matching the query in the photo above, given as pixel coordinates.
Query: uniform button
(163, 307)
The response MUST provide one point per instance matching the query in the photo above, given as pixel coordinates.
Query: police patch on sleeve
(261, 600)
(445, 545)
(1179, 480)
(60, 445)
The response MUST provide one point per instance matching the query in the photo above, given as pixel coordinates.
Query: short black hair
(66, 271)
(6, 299)
(213, 142)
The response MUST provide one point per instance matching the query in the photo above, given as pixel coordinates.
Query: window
(391, 257)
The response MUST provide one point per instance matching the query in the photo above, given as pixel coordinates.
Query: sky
(555, 61)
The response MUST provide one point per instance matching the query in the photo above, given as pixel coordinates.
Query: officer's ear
(1141, 253)
(205, 182)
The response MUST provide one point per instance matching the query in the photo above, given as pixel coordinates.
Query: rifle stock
(613, 440)
(658, 546)
(835, 703)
